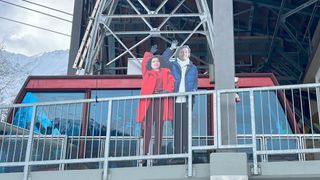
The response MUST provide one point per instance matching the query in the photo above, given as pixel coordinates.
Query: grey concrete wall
(308, 170)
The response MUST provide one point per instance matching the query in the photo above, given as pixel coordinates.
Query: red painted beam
(80, 83)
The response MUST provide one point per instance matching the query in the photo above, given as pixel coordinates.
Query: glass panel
(34, 97)
(270, 118)
(51, 119)
(202, 123)
(200, 116)
(269, 114)
(124, 129)
(99, 113)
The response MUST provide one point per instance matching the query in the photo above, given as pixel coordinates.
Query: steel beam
(299, 8)
(144, 6)
(138, 12)
(260, 33)
(274, 5)
(275, 29)
(160, 6)
(285, 27)
(173, 11)
(155, 32)
(116, 58)
(288, 59)
(242, 12)
(202, 26)
(125, 16)
(94, 44)
(310, 21)
(251, 16)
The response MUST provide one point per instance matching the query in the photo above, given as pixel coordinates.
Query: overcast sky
(30, 41)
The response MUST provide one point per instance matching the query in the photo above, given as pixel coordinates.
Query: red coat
(148, 86)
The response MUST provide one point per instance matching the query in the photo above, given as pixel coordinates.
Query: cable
(35, 11)
(48, 7)
(35, 26)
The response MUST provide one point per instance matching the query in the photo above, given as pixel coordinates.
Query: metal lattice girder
(276, 5)
(250, 23)
(135, 24)
(293, 11)
(78, 63)
(276, 29)
(299, 8)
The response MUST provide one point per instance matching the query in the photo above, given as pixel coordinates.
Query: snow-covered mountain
(15, 68)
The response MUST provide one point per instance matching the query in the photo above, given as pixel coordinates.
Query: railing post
(189, 135)
(254, 137)
(215, 119)
(64, 152)
(29, 144)
(107, 143)
(218, 107)
(301, 146)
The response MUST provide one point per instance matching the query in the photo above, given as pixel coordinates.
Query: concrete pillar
(228, 166)
(224, 65)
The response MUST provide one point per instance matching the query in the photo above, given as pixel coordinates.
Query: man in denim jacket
(185, 75)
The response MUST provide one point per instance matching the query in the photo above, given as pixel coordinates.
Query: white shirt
(182, 88)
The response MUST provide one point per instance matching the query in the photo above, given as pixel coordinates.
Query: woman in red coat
(155, 80)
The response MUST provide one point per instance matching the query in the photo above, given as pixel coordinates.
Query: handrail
(261, 125)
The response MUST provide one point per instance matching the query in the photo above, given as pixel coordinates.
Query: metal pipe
(189, 135)
(29, 144)
(299, 8)
(253, 131)
(107, 142)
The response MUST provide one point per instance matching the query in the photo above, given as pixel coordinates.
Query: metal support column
(29, 145)
(224, 65)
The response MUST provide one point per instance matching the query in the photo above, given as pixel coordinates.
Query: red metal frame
(82, 83)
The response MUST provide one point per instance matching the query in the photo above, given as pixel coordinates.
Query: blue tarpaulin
(22, 118)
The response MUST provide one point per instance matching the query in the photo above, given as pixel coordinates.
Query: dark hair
(148, 65)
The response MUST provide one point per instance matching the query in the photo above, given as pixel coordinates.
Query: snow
(15, 68)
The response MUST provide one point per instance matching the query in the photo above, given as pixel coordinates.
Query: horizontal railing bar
(163, 95)
(129, 158)
(204, 147)
(287, 135)
(67, 161)
(288, 151)
(107, 99)
(284, 87)
(97, 137)
(11, 164)
(36, 136)
(51, 162)
(236, 146)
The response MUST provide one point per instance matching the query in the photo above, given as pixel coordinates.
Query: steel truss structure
(269, 36)
(114, 25)
(297, 35)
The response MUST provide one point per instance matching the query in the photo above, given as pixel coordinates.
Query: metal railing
(274, 127)
(104, 133)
